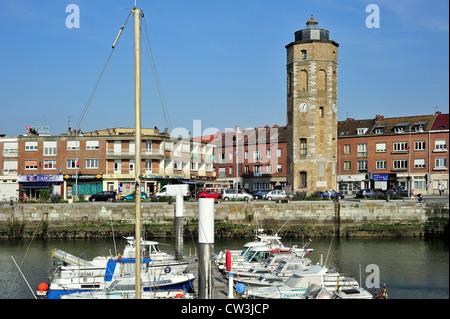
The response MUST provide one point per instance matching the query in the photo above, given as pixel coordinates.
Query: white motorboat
(296, 285)
(318, 292)
(121, 273)
(285, 269)
(254, 272)
(273, 244)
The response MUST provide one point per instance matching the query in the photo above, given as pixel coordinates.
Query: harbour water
(411, 268)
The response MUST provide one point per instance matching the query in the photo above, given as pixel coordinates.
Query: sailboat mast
(137, 134)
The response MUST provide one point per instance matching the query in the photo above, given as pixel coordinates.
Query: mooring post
(205, 247)
(337, 217)
(179, 214)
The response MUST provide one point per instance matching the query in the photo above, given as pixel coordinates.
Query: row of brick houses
(97, 161)
(409, 151)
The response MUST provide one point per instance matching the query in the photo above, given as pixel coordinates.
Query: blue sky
(221, 62)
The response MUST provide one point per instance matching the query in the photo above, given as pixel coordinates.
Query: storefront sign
(39, 178)
(380, 177)
(83, 176)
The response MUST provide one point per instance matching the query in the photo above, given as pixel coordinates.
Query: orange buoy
(179, 295)
(42, 287)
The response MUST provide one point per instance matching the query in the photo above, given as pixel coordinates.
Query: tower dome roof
(312, 20)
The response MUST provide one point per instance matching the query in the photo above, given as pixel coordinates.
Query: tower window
(303, 146)
(321, 111)
(304, 55)
(303, 180)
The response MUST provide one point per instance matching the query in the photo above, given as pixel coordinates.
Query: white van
(174, 190)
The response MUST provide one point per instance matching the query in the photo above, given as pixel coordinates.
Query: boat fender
(240, 289)
(179, 296)
(228, 260)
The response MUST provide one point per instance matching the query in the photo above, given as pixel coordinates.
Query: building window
(362, 166)
(361, 131)
(269, 153)
(31, 146)
(303, 146)
(148, 166)
(381, 164)
(222, 171)
(73, 145)
(379, 130)
(49, 164)
(246, 169)
(347, 166)
(257, 170)
(401, 164)
(400, 146)
(303, 180)
(131, 165)
(440, 145)
(347, 148)
(321, 111)
(246, 154)
(49, 148)
(420, 183)
(381, 147)
(91, 163)
(194, 166)
(222, 158)
(168, 146)
(257, 156)
(279, 168)
(362, 150)
(304, 55)
(419, 145)
(92, 145)
(230, 170)
(117, 166)
(29, 165)
(279, 153)
(71, 163)
(419, 163)
(440, 163)
(269, 169)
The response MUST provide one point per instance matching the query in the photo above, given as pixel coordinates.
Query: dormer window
(344, 133)
(379, 129)
(361, 131)
(401, 127)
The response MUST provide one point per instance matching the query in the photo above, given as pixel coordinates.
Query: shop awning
(37, 185)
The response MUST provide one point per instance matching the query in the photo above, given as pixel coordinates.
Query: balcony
(10, 153)
(9, 172)
(126, 153)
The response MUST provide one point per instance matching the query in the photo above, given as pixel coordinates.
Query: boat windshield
(258, 256)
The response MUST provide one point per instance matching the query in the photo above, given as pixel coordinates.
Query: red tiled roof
(441, 122)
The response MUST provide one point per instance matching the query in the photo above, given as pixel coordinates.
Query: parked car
(106, 196)
(210, 194)
(260, 194)
(369, 193)
(397, 190)
(275, 194)
(231, 194)
(132, 196)
(326, 194)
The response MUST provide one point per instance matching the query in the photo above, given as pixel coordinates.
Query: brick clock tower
(311, 110)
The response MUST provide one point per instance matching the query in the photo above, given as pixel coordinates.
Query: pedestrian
(412, 200)
(440, 189)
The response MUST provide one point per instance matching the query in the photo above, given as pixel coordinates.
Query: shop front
(83, 186)
(30, 185)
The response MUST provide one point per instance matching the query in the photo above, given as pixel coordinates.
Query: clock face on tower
(303, 107)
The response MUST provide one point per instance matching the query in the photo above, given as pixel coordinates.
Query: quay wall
(233, 219)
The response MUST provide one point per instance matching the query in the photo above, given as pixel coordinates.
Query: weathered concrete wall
(316, 213)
